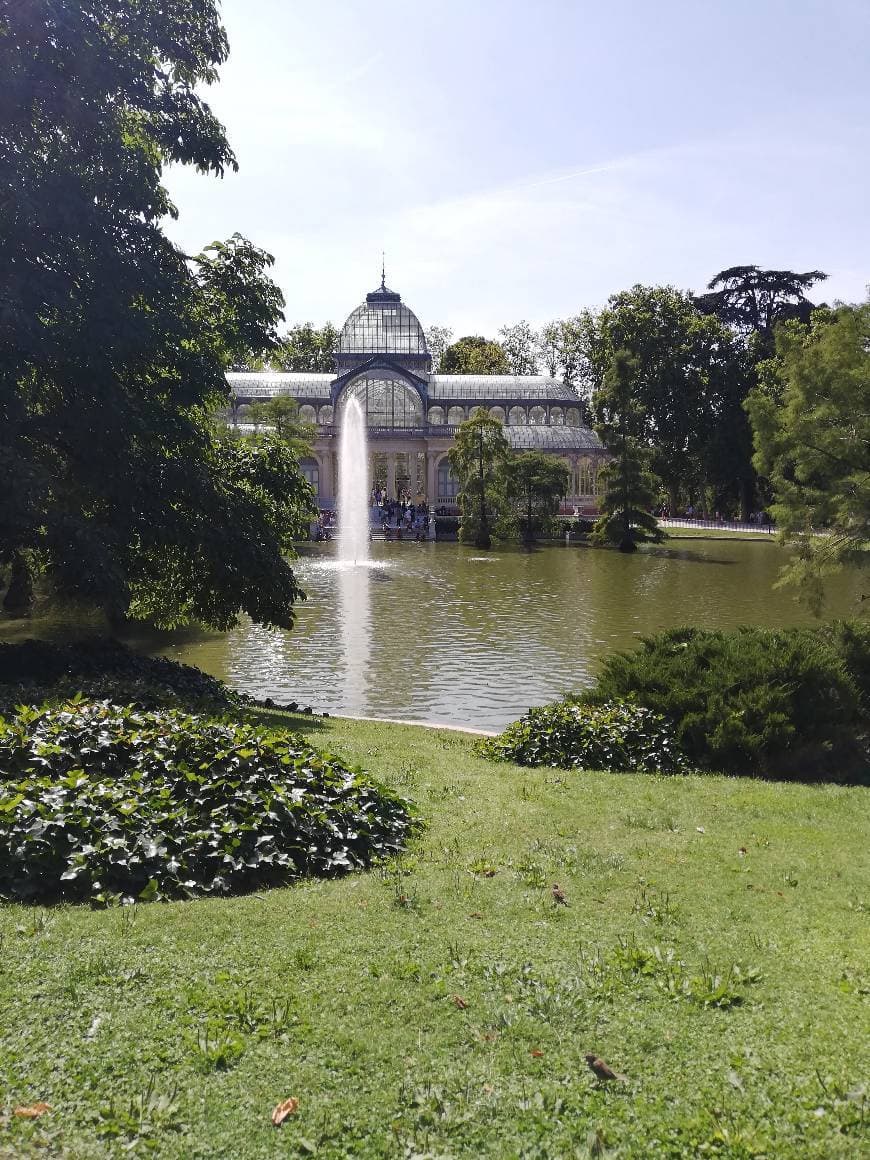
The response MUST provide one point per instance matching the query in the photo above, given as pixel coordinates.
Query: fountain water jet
(353, 486)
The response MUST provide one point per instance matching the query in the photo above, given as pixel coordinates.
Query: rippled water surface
(440, 632)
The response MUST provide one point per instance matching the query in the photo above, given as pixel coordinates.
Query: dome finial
(383, 271)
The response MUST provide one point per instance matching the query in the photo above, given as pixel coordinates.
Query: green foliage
(629, 490)
(307, 348)
(474, 355)
(476, 458)
(811, 419)
(691, 376)
(791, 703)
(34, 670)
(534, 483)
(755, 301)
(282, 413)
(614, 735)
(114, 341)
(521, 345)
(100, 802)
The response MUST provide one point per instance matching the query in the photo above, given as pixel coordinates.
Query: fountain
(353, 486)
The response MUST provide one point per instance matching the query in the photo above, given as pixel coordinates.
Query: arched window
(311, 470)
(436, 416)
(325, 416)
(448, 485)
(517, 417)
(573, 416)
(497, 413)
(388, 399)
(307, 414)
(537, 416)
(455, 416)
(557, 417)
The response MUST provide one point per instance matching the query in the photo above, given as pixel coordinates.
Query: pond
(444, 633)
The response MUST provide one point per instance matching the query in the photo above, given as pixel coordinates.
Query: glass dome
(382, 325)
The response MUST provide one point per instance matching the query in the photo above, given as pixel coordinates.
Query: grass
(714, 950)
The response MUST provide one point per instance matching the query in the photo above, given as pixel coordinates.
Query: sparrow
(559, 895)
(600, 1069)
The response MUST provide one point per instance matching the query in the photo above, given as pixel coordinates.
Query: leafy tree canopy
(534, 484)
(688, 371)
(474, 355)
(476, 458)
(438, 339)
(282, 413)
(113, 343)
(305, 348)
(521, 345)
(811, 420)
(755, 301)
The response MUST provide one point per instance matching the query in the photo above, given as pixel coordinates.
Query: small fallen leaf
(742, 852)
(475, 914)
(33, 1111)
(460, 1002)
(536, 1053)
(700, 829)
(281, 1111)
(488, 1088)
(489, 873)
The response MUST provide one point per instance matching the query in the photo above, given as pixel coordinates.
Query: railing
(765, 526)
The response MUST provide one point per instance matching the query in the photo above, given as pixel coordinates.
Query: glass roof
(382, 325)
(486, 387)
(541, 438)
(268, 384)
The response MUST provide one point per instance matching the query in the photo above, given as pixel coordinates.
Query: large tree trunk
(673, 498)
(18, 600)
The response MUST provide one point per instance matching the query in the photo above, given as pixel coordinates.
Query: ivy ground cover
(712, 947)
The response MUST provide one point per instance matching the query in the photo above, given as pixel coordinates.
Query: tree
(521, 345)
(688, 366)
(534, 484)
(811, 421)
(474, 355)
(282, 413)
(754, 301)
(560, 348)
(476, 459)
(438, 339)
(305, 348)
(113, 343)
(627, 502)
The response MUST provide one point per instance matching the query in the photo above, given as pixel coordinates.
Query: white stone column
(391, 475)
(430, 478)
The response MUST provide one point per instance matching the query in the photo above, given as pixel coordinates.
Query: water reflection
(353, 608)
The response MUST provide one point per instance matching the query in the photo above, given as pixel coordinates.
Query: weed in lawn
(142, 1117)
(216, 1047)
(654, 905)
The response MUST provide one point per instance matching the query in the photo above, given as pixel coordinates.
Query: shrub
(615, 735)
(446, 526)
(102, 802)
(99, 667)
(787, 703)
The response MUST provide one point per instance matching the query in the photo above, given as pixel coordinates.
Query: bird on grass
(601, 1070)
(559, 896)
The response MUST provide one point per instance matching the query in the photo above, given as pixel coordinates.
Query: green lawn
(714, 949)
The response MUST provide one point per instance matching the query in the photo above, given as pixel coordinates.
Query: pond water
(444, 633)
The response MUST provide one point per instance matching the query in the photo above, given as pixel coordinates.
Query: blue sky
(527, 159)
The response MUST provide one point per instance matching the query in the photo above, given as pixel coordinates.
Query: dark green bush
(446, 526)
(615, 735)
(100, 667)
(780, 703)
(102, 802)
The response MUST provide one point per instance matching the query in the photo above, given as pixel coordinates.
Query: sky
(524, 159)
